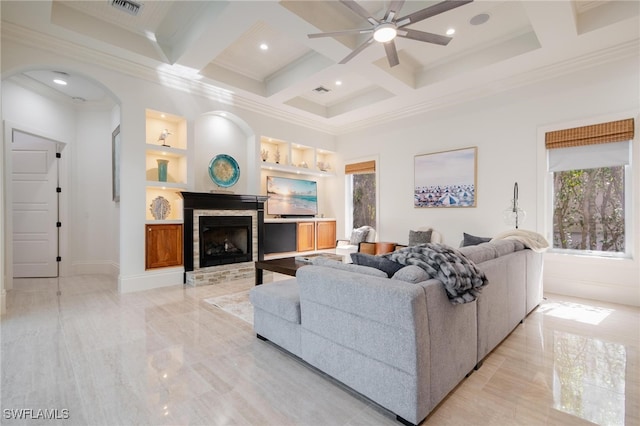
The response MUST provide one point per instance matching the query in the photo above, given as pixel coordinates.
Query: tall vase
(162, 170)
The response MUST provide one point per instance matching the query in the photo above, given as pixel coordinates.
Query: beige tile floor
(166, 357)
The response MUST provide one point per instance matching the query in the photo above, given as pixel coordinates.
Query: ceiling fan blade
(392, 53)
(394, 9)
(430, 11)
(341, 33)
(357, 50)
(351, 4)
(424, 36)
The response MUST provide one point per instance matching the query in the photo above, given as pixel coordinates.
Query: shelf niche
(295, 158)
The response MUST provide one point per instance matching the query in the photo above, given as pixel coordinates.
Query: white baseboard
(152, 279)
(93, 268)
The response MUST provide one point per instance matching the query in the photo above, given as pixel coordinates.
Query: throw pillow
(419, 237)
(350, 267)
(358, 235)
(385, 265)
(472, 240)
(411, 274)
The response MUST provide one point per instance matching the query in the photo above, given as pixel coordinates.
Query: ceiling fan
(385, 30)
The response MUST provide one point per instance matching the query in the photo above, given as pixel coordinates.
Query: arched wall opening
(89, 232)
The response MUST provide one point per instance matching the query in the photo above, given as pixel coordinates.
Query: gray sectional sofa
(402, 344)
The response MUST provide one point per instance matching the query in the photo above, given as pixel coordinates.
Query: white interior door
(35, 206)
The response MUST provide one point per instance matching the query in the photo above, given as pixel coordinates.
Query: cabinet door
(326, 238)
(306, 236)
(163, 245)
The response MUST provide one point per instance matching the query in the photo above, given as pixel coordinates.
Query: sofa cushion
(479, 253)
(411, 273)
(335, 264)
(504, 247)
(389, 267)
(419, 237)
(472, 240)
(280, 298)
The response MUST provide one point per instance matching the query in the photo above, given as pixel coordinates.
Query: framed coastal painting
(446, 179)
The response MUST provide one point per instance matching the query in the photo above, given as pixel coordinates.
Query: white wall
(505, 129)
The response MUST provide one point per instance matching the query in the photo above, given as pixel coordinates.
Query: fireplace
(222, 236)
(225, 240)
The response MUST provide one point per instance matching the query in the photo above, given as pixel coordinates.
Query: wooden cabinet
(325, 234)
(300, 235)
(306, 236)
(163, 245)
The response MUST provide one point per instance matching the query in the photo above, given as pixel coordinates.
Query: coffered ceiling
(497, 45)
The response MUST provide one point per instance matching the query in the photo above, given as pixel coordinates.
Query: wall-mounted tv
(291, 197)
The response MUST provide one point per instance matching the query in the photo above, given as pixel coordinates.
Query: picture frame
(115, 163)
(446, 179)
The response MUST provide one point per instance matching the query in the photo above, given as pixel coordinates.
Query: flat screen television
(291, 197)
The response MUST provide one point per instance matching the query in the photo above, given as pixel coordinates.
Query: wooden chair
(376, 248)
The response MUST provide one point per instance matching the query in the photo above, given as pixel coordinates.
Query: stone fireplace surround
(198, 204)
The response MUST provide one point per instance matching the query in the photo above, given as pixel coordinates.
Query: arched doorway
(66, 116)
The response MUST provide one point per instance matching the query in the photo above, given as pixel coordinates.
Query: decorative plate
(160, 208)
(224, 170)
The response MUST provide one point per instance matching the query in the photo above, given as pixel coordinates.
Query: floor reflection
(589, 378)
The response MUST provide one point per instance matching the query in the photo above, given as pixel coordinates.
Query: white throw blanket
(530, 239)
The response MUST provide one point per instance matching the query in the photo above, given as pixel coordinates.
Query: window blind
(589, 147)
(589, 156)
(360, 168)
(613, 131)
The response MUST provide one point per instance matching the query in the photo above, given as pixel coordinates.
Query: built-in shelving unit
(166, 142)
(173, 150)
(295, 158)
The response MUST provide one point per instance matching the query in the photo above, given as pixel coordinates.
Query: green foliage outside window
(589, 211)
(364, 200)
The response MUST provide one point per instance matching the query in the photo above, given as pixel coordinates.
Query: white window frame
(348, 197)
(545, 209)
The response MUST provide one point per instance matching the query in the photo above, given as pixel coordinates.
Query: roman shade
(360, 168)
(613, 131)
(588, 147)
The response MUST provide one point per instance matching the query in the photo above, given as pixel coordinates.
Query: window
(591, 187)
(361, 194)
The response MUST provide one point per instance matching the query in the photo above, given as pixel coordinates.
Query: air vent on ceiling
(129, 6)
(321, 89)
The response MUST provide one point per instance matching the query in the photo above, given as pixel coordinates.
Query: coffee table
(285, 265)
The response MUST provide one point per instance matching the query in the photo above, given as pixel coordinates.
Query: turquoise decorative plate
(224, 170)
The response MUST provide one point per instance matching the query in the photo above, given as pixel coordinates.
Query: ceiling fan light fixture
(385, 32)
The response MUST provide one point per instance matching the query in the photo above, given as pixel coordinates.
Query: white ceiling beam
(554, 22)
(220, 26)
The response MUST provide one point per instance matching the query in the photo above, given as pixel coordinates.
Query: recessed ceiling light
(59, 81)
(264, 46)
(451, 31)
(338, 82)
